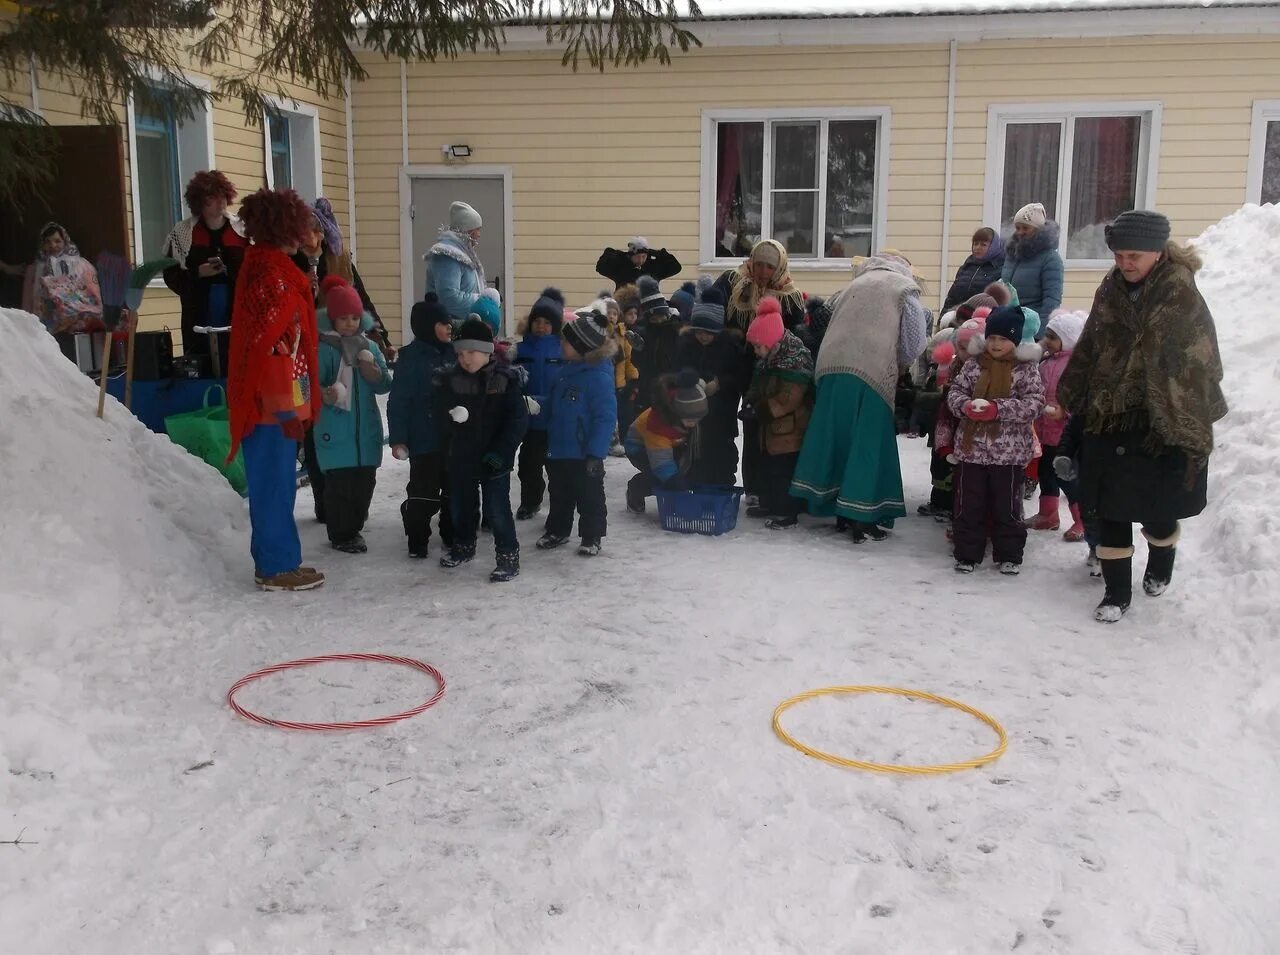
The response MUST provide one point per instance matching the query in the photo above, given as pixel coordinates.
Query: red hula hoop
(351, 725)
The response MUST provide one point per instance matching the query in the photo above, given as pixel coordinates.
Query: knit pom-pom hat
(683, 300)
(474, 335)
(586, 332)
(708, 314)
(689, 397)
(767, 328)
(490, 313)
(550, 305)
(653, 304)
(426, 315)
(340, 299)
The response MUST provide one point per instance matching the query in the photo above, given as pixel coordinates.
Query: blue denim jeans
(465, 495)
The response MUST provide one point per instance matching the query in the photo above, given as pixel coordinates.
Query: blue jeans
(270, 466)
(465, 494)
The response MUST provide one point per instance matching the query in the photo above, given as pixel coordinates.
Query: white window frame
(1000, 115)
(194, 157)
(1264, 111)
(303, 137)
(707, 200)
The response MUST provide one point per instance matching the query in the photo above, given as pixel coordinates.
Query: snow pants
(776, 471)
(347, 494)
(271, 469)
(988, 495)
(533, 459)
(572, 488)
(426, 495)
(466, 494)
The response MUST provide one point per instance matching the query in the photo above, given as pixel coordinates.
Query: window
(812, 182)
(1264, 154)
(1085, 164)
(165, 151)
(292, 148)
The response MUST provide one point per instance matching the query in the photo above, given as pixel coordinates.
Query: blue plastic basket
(704, 510)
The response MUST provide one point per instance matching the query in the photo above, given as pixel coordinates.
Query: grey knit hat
(463, 218)
(585, 333)
(690, 398)
(708, 314)
(652, 301)
(638, 244)
(1138, 230)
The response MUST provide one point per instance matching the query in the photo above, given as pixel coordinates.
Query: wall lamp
(461, 151)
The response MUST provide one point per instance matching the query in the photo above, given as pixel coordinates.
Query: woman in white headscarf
(848, 465)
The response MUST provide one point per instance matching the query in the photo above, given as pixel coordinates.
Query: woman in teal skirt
(848, 465)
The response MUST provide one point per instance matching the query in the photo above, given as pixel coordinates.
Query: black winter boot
(1160, 555)
(508, 567)
(458, 554)
(1117, 574)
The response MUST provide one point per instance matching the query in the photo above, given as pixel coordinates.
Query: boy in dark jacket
(416, 431)
(582, 412)
(486, 417)
(718, 359)
(539, 355)
(659, 333)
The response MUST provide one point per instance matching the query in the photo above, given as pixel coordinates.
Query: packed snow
(601, 774)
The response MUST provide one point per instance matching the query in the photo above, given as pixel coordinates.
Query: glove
(493, 464)
(711, 387)
(459, 414)
(1065, 468)
(595, 467)
(532, 405)
(637, 343)
(399, 452)
(980, 410)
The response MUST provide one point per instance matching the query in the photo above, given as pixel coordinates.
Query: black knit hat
(427, 314)
(585, 333)
(550, 305)
(474, 335)
(1138, 230)
(708, 314)
(683, 299)
(652, 301)
(1008, 322)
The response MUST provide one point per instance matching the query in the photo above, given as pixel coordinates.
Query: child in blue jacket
(349, 432)
(581, 413)
(415, 431)
(539, 355)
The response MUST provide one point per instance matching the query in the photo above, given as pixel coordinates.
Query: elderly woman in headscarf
(764, 273)
(208, 247)
(323, 253)
(1145, 378)
(849, 462)
(454, 270)
(61, 287)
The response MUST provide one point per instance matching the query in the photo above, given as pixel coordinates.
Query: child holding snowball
(996, 398)
(348, 434)
(480, 404)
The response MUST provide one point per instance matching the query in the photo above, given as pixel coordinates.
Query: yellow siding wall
(237, 151)
(598, 158)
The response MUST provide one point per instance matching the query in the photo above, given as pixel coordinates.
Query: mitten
(399, 452)
(595, 467)
(979, 409)
(459, 414)
(711, 387)
(1065, 468)
(637, 343)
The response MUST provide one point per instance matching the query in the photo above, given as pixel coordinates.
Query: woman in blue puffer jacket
(1031, 261)
(454, 271)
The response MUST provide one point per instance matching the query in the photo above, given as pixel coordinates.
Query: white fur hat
(1031, 214)
(463, 218)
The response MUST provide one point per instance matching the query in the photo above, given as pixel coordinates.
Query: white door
(430, 197)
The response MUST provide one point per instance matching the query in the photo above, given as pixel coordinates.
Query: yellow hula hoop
(890, 767)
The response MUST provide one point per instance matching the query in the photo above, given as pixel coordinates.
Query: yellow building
(835, 134)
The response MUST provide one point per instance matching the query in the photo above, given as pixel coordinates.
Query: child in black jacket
(484, 411)
(717, 357)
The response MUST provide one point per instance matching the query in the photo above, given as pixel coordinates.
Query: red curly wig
(278, 217)
(208, 184)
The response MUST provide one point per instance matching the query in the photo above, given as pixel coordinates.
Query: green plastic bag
(206, 433)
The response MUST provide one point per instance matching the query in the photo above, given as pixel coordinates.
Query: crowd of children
(664, 383)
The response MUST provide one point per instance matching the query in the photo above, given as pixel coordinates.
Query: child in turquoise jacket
(348, 434)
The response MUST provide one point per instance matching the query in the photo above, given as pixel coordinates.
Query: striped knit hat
(652, 301)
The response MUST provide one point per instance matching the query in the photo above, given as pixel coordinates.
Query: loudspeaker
(152, 355)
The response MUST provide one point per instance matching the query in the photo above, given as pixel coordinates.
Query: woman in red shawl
(272, 388)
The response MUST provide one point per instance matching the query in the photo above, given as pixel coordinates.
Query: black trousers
(426, 495)
(751, 453)
(988, 499)
(347, 493)
(315, 477)
(776, 471)
(533, 457)
(942, 472)
(626, 410)
(717, 460)
(1120, 533)
(572, 488)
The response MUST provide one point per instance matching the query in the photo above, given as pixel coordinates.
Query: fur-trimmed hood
(1020, 249)
(604, 353)
(451, 245)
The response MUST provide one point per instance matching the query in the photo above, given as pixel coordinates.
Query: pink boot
(1047, 519)
(1075, 533)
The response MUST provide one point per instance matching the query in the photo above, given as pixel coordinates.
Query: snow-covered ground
(601, 775)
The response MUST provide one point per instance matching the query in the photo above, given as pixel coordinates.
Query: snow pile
(100, 519)
(1237, 558)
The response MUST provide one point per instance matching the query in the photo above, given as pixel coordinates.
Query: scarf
(1148, 359)
(178, 244)
(349, 346)
(995, 381)
(745, 294)
(274, 314)
(458, 247)
(788, 360)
